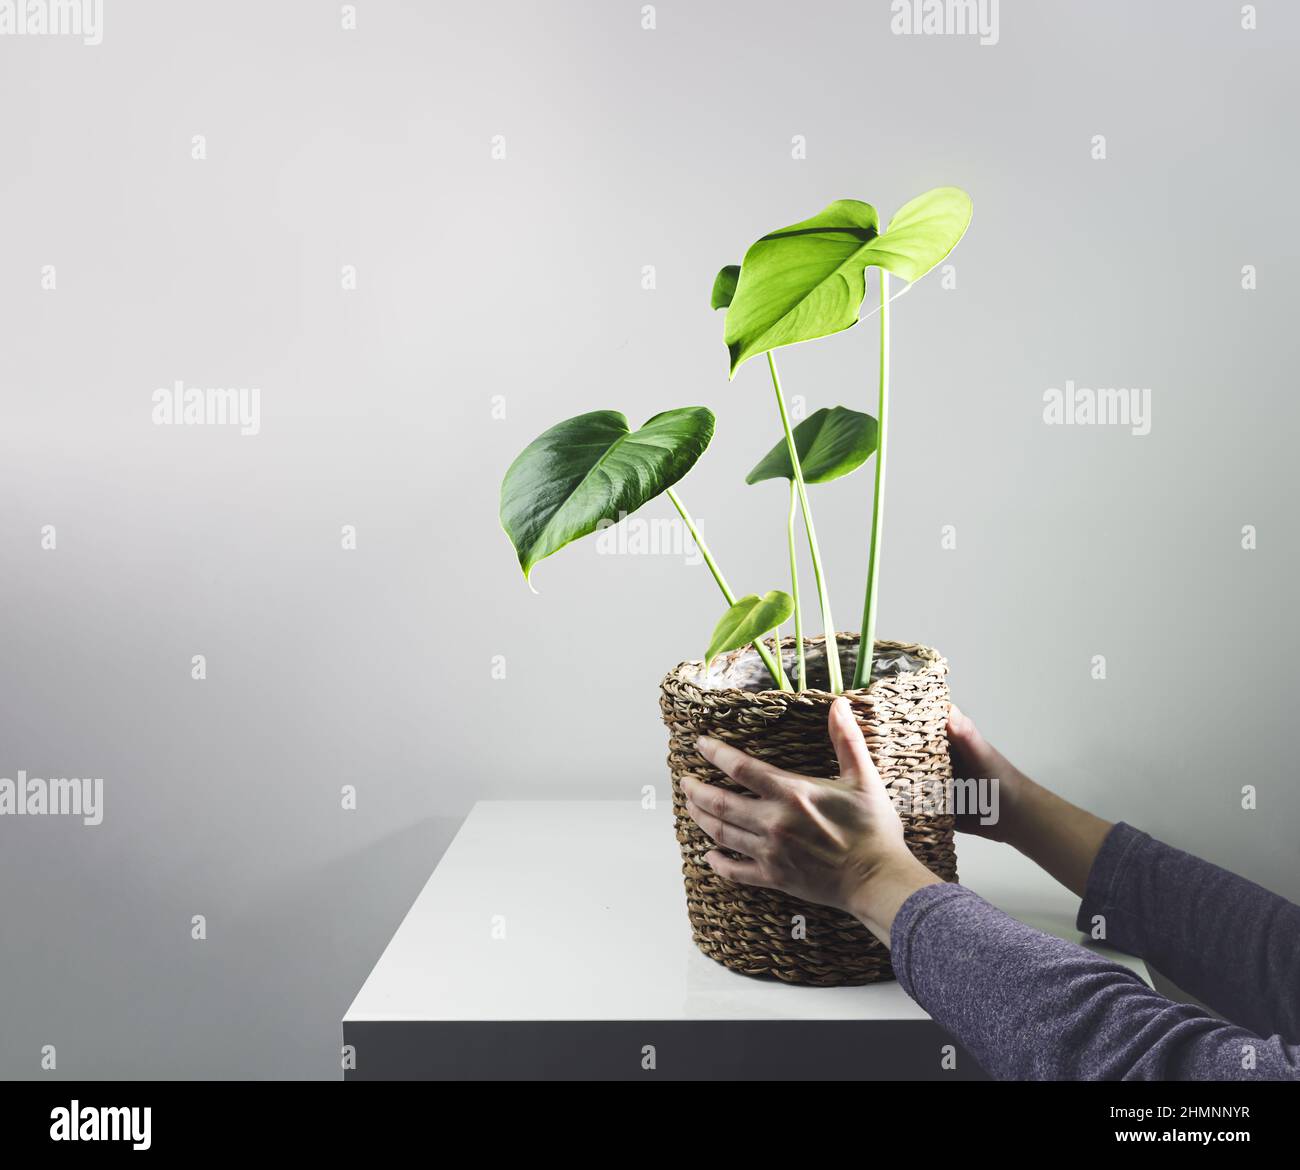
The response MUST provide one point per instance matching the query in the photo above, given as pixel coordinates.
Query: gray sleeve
(1232, 944)
(1030, 1006)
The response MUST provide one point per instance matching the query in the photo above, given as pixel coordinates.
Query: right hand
(835, 842)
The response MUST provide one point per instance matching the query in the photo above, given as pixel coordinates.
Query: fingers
(974, 755)
(960, 725)
(965, 740)
(742, 813)
(748, 873)
(744, 769)
(726, 833)
(732, 819)
(856, 766)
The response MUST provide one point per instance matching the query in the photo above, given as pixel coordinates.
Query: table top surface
(575, 910)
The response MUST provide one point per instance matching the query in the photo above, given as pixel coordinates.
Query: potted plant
(796, 284)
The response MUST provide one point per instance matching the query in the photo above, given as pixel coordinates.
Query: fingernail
(705, 744)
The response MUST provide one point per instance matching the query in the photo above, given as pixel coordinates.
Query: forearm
(1229, 942)
(1030, 1006)
(1060, 837)
(1225, 940)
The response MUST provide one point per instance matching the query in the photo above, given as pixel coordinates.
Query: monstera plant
(796, 284)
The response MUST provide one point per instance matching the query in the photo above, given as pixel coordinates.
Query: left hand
(835, 842)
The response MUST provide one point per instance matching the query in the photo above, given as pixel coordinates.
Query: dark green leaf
(830, 442)
(591, 469)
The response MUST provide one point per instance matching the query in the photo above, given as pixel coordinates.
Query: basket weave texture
(903, 717)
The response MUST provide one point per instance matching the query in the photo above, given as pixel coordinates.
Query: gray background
(522, 277)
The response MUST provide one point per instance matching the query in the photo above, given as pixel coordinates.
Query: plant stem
(794, 592)
(828, 623)
(772, 664)
(867, 645)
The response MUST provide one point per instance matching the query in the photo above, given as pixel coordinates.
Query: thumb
(856, 766)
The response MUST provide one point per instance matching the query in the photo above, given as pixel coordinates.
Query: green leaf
(591, 469)
(830, 442)
(808, 280)
(748, 620)
(724, 286)
(801, 282)
(922, 233)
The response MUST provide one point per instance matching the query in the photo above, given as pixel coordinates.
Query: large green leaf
(808, 280)
(831, 443)
(593, 468)
(801, 282)
(748, 620)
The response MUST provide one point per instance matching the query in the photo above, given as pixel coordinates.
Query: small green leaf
(748, 620)
(593, 468)
(724, 286)
(808, 280)
(830, 442)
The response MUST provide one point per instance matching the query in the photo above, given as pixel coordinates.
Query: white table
(552, 941)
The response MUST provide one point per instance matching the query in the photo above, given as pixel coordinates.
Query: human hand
(835, 842)
(1061, 837)
(974, 758)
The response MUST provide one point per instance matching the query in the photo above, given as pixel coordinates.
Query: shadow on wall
(312, 946)
(262, 998)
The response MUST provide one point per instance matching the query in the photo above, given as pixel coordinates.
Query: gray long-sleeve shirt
(1030, 1006)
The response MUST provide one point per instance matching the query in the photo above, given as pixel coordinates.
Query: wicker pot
(903, 716)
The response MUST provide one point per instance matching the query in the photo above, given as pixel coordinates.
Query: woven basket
(904, 717)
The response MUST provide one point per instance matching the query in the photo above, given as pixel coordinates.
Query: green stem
(828, 623)
(794, 591)
(867, 646)
(778, 674)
